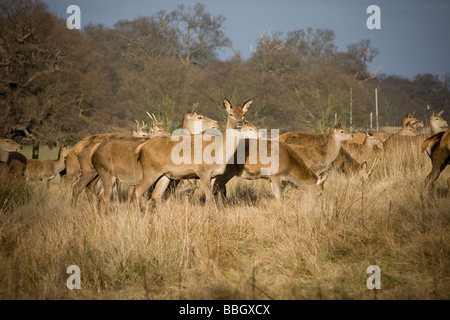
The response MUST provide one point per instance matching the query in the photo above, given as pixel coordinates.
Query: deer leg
(149, 178)
(205, 180)
(130, 192)
(275, 183)
(84, 180)
(160, 188)
(430, 180)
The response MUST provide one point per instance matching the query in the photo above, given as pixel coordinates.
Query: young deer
(46, 169)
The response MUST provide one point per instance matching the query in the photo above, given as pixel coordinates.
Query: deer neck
(435, 128)
(4, 156)
(60, 164)
(332, 147)
(407, 132)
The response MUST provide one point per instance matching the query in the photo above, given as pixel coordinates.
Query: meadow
(249, 247)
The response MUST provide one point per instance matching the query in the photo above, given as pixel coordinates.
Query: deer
(11, 161)
(367, 149)
(407, 138)
(437, 123)
(438, 149)
(140, 132)
(46, 169)
(320, 157)
(360, 137)
(343, 163)
(79, 163)
(410, 125)
(73, 168)
(114, 160)
(157, 127)
(155, 166)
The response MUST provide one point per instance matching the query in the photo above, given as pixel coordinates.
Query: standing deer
(438, 149)
(437, 123)
(80, 159)
(11, 160)
(46, 169)
(115, 159)
(289, 164)
(344, 162)
(366, 150)
(407, 138)
(410, 125)
(320, 157)
(155, 157)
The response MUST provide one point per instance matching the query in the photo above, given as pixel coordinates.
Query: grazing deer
(11, 161)
(114, 160)
(438, 149)
(46, 169)
(437, 123)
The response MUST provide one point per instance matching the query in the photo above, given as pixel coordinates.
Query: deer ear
(247, 105)
(227, 104)
(364, 165)
(192, 108)
(440, 112)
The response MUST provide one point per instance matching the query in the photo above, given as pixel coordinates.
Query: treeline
(61, 85)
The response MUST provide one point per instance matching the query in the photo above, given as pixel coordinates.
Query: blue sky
(414, 36)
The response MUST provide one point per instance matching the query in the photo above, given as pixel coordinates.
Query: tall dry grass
(249, 247)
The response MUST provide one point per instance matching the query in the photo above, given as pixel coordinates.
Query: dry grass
(250, 247)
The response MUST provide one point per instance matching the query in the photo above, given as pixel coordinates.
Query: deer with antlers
(228, 162)
(115, 160)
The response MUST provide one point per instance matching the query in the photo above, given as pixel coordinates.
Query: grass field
(251, 247)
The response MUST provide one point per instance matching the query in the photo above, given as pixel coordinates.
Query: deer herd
(155, 161)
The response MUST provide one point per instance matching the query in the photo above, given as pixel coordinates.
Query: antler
(152, 116)
(193, 107)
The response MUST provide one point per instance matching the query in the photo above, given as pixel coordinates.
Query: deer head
(236, 115)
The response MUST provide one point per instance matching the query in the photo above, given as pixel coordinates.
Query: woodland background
(60, 85)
